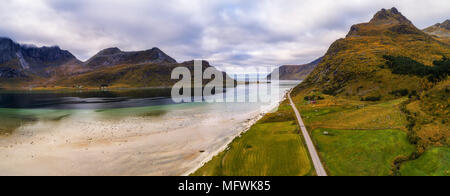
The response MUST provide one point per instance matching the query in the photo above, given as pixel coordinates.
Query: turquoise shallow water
(25, 107)
(158, 139)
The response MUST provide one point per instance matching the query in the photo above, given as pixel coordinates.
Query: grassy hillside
(272, 147)
(131, 76)
(385, 75)
(355, 67)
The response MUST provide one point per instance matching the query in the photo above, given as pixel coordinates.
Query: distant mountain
(114, 56)
(296, 72)
(23, 66)
(134, 75)
(441, 31)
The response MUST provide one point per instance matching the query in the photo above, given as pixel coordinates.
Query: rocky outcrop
(41, 58)
(390, 16)
(385, 22)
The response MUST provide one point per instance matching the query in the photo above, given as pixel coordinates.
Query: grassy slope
(124, 76)
(434, 162)
(430, 114)
(272, 147)
(354, 68)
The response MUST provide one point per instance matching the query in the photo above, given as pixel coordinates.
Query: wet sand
(88, 144)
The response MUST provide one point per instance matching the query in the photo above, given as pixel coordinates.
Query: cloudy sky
(229, 33)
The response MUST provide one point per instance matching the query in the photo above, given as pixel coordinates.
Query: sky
(232, 34)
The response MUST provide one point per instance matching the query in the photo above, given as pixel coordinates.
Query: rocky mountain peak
(8, 49)
(387, 22)
(6, 41)
(390, 16)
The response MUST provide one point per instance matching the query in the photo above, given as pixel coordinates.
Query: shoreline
(249, 124)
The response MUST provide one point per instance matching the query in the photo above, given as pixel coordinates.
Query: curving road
(311, 148)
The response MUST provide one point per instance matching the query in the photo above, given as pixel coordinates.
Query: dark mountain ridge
(33, 58)
(29, 66)
(115, 56)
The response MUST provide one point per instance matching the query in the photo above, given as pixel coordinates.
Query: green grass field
(354, 115)
(361, 152)
(364, 137)
(434, 162)
(267, 149)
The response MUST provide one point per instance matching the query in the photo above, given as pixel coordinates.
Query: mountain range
(25, 66)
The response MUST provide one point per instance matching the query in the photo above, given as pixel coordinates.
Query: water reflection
(85, 99)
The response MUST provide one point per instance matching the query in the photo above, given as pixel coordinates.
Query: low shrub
(400, 93)
(378, 98)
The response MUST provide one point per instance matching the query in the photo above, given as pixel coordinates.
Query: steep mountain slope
(20, 64)
(354, 67)
(31, 57)
(295, 72)
(24, 66)
(440, 31)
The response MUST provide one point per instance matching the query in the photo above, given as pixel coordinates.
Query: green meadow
(434, 162)
(361, 152)
(357, 138)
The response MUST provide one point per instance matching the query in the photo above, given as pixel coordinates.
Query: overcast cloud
(228, 33)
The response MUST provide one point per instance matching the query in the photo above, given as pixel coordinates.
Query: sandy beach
(87, 144)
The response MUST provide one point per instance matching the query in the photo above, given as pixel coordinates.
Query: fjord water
(118, 133)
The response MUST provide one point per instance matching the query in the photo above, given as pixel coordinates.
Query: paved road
(312, 149)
